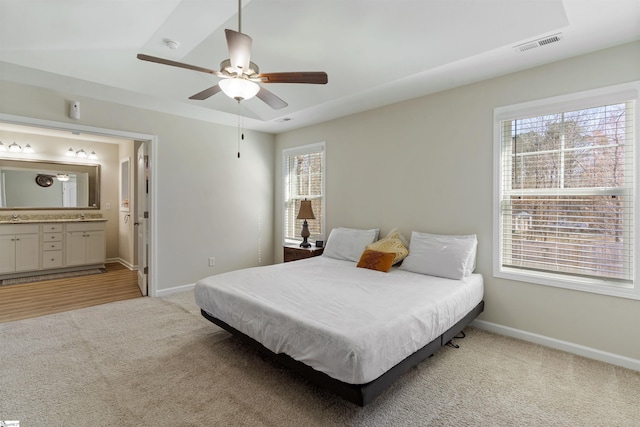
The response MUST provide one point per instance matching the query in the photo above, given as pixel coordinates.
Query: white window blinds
(303, 179)
(567, 193)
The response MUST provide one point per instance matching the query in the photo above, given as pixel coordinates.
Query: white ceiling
(376, 52)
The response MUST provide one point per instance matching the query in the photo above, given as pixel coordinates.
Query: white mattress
(351, 323)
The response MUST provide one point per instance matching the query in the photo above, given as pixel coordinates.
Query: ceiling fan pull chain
(240, 127)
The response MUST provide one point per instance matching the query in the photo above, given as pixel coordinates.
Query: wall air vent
(538, 43)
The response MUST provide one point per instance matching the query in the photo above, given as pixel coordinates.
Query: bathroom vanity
(42, 246)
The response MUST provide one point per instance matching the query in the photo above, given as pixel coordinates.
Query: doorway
(144, 262)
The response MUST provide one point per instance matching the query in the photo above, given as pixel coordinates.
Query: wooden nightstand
(295, 252)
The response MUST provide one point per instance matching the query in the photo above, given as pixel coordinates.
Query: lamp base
(305, 234)
(305, 244)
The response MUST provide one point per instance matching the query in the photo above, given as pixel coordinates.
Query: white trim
(153, 167)
(580, 350)
(123, 262)
(169, 291)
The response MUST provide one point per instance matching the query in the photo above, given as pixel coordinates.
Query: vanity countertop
(38, 218)
(34, 221)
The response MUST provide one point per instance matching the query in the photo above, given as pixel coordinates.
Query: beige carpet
(157, 362)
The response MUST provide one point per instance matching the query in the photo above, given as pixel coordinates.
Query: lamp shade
(305, 211)
(239, 89)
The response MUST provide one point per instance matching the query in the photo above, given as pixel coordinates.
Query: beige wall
(209, 203)
(427, 165)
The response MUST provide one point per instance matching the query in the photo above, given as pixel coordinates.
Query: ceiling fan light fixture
(239, 89)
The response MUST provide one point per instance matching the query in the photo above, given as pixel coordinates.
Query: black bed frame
(360, 394)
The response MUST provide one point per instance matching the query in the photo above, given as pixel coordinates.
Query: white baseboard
(580, 350)
(123, 262)
(165, 292)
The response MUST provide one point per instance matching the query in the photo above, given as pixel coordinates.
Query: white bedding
(351, 323)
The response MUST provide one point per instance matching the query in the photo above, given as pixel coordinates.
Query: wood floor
(35, 299)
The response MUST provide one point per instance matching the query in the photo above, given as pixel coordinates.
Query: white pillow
(453, 257)
(349, 243)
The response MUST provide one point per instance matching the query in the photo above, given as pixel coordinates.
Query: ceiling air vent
(538, 43)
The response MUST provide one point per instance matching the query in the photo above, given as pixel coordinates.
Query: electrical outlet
(212, 262)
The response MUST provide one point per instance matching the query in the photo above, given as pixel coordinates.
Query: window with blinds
(566, 194)
(303, 169)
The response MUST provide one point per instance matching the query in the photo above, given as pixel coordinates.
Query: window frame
(301, 150)
(580, 100)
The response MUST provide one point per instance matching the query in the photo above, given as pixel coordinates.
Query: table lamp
(305, 213)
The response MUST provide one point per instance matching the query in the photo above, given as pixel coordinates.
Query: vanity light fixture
(28, 149)
(3, 147)
(62, 177)
(15, 148)
(81, 154)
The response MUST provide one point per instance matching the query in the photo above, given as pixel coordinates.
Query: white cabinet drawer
(52, 228)
(51, 237)
(51, 259)
(52, 246)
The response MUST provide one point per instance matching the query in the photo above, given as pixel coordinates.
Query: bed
(349, 329)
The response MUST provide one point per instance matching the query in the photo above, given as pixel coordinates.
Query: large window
(565, 213)
(303, 179)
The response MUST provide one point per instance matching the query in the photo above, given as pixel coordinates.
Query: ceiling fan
(239, 76)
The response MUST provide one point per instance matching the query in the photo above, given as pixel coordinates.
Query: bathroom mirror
(30, 185)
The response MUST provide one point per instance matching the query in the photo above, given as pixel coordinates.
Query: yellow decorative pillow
(391, 243)
(374, 260)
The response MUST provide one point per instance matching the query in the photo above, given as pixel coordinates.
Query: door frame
(152, 146)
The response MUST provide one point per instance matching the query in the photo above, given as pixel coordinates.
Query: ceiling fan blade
(239, 50)
(311, 77)
(270, 99)
(176, 64)
(206, 93)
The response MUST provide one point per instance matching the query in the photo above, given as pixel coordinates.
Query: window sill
(594, 286)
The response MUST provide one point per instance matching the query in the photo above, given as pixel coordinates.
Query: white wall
(426, 165)
(126, 230)
(209, 202)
